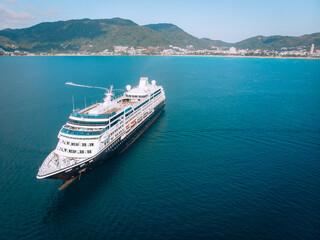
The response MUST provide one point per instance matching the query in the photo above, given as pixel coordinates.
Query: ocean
(235, 154)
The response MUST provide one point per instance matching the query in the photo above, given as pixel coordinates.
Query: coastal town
(301, 51)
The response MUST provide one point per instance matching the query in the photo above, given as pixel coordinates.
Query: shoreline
(219, 56)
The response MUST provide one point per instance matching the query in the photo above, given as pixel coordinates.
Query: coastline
(219, 56)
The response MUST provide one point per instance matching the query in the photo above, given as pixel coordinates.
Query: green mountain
(278, 42)
(94, 36)
(216, 43)
(100, 34)
(177, 37)
(84, 34)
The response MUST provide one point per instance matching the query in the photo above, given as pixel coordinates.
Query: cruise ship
(98, 132)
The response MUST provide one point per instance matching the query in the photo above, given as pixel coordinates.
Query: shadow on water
(80, 191)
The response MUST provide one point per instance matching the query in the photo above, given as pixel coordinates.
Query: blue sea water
(235, 154)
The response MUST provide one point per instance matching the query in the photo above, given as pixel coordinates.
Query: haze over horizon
(229, 21)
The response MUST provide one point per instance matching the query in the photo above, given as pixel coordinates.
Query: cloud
(9, 1)
(4, 26)
(52, 12)
(24, 16)
(9, 17)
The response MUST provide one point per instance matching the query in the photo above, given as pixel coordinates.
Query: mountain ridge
(95, 35)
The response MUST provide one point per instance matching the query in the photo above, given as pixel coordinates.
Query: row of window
(76, 122)
(74, 151)
(129, 110)
(115, 122)
(115, 117)
(136, 108)
(116, 131)
(136, 113)
(159, 90)
(77, 144)
(157, 94)
(79, 138)
(80, 115)
(136, 96)
(84, 133)
(141, 105)
(128, 114)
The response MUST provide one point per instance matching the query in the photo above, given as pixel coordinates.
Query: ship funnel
(143, 82)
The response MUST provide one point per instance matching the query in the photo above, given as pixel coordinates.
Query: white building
(232, 50)
(120, 49)
(312, 49)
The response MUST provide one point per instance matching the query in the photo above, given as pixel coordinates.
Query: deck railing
(83, 115)
(82, 133)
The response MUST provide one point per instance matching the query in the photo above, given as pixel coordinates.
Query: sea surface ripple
(235, 154)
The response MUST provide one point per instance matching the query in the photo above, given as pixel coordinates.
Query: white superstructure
(93, 129)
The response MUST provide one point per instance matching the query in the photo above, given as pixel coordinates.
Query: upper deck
(111, 107)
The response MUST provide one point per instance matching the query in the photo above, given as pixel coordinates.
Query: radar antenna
(109, 94)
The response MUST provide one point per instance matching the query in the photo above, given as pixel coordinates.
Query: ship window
(115, 117)
(115, 122)
(87, 123)
(81, 151)
(90, 144)
(157, 94)
(128, 109)
(141, 105)
(127, 114)
(89, 151)
(83, 144)
(159, 90)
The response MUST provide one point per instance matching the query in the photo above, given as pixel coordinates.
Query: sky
(226, 20)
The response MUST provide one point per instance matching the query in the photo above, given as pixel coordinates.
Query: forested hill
(100, 34)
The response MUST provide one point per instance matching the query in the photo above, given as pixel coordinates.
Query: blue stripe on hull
(116, 147)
